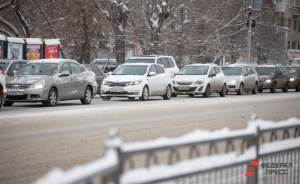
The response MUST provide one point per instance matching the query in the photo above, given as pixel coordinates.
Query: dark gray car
(272, 77)
(51, 80)
(100, 75)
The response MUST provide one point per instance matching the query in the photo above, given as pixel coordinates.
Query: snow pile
(15, 40)
(264, 124)
(52, 41)
(80, 173)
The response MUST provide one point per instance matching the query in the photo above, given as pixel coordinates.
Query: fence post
(252, 167)
(114, 143)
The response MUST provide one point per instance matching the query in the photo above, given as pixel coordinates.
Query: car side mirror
(109, 73)
(64, 74)
(152, 74)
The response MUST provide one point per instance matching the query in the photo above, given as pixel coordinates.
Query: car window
(76, 69)
(162, 61)
(217, 69)
(159, 69)
(65, 68)
(212, 71)
(171, 63)
(152, 69)
(15, 67)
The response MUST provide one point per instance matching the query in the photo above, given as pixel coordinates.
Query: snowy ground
(34, 139)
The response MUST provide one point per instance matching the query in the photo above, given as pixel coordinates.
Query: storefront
(52, 48)
(15, 48)
(2, 46)
(33, 48)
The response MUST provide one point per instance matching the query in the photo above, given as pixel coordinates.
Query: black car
(294, 77)
(100, 75)
(107, 65)
(272, 77)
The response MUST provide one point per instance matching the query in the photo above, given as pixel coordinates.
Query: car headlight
(173, 82)
(292, 79)
(268, 80)
(38, 85)
(133, 83)
(232, 82)
(199, 82)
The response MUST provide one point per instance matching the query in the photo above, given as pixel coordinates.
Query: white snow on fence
(99, 167)
(109, 163)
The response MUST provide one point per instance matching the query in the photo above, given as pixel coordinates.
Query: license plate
(183, 87)
(15, 92)
(116, 89)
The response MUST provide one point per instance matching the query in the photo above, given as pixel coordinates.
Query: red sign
(51, 51)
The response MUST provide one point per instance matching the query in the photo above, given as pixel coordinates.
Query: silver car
(241, 78)
(51, 80)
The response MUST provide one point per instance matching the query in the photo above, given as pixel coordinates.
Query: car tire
(255, 90)
(285, 89)
(206, 92)
(106, 98)
(52, 98)
(168, 93)
(191, 95)
(298, 87)
(131, 98)
(8, 103)
(241, 90)
(87, 97)
(223, 91)
(174, 95)
(260, 90)
(273, 88)
(145, 94)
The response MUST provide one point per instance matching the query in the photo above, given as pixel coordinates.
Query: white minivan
(168, 62)
(137, 80)
(195, 79)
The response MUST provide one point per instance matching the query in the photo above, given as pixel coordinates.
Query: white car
(137, 80)
(198, 79)
(167, 62)
(2, 88)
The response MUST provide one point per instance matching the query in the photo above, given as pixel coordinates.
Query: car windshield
(194, 70)
(38, 69)
(232, 70)
(105, 62)
(140, 60)
(15, 66)
(131, 70)
(3, 65)
(293, 70)
(265, 70)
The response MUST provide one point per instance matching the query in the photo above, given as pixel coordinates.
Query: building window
(288, 45)
(289, 23)
(298, 45)
(299, 26)
(294, 45)
(295, 24)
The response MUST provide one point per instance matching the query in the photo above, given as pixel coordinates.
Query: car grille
(18, 97)
(119, 84)
(184, 83)
(17, 86)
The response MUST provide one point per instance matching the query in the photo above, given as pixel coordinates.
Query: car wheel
(207, 92)
(174, 95)
(255, 90)
(274, 88)
(168, 93)
(298, 87)
(87, 97)
(241, 90)
(145, 94)
(52, 98)
(191, 95)
(260, 90)
(131, 98)
(106, 98)
(224, 91)
(8, 103)
(285, 89)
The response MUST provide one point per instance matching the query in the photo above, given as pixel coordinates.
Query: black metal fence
(267, 153)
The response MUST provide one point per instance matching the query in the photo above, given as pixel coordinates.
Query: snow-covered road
(34, 139)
